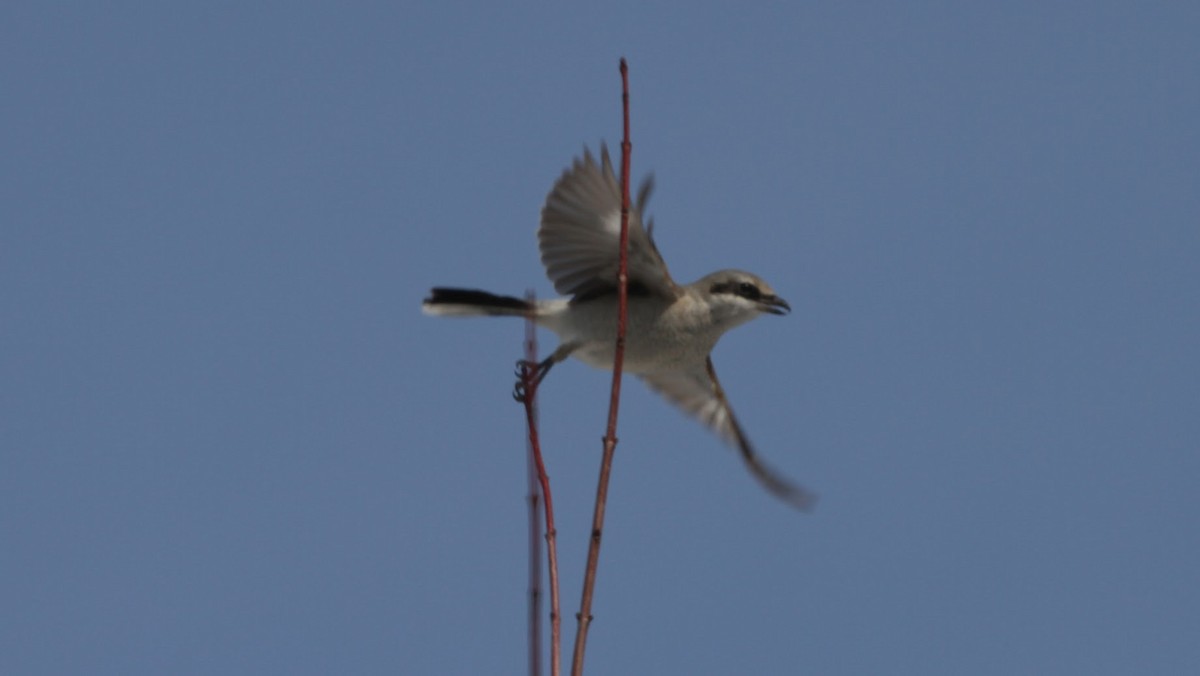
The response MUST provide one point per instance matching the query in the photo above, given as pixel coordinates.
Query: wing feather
(581, 229)
(699, 394)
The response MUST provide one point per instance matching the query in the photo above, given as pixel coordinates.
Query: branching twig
(610, 437)
(535, 451)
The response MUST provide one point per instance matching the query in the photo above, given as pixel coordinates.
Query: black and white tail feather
(448, 302)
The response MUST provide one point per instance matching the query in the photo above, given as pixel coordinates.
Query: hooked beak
(775, 305)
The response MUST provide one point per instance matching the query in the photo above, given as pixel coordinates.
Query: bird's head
(737, 296)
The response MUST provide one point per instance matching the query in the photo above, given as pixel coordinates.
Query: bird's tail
(473, 303)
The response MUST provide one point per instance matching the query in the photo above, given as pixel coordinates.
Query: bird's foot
(529, 376)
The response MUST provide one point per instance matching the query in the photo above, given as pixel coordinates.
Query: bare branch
(538, 473)
(610, 436)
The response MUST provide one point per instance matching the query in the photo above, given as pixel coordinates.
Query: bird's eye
(748, 290)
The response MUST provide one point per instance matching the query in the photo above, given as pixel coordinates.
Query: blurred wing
(580, 233)
(698, 393)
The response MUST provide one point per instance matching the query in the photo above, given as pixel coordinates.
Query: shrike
(671, 328)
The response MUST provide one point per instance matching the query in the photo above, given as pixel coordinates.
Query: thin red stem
(610, 436)
(535, 527)
(535, 452)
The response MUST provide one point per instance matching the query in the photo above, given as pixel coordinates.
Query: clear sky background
(231, 444)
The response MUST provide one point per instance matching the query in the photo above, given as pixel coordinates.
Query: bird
(671, 328)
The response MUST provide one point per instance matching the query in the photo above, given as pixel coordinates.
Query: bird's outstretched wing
(698, 393)
(581, 229)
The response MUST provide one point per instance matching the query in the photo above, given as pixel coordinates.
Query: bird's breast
(660, 335)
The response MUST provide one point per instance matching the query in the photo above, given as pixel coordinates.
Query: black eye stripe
(744, 289)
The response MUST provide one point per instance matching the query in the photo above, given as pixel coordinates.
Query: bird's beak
(775, 305)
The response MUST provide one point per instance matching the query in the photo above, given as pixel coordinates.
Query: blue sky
(230, 443)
